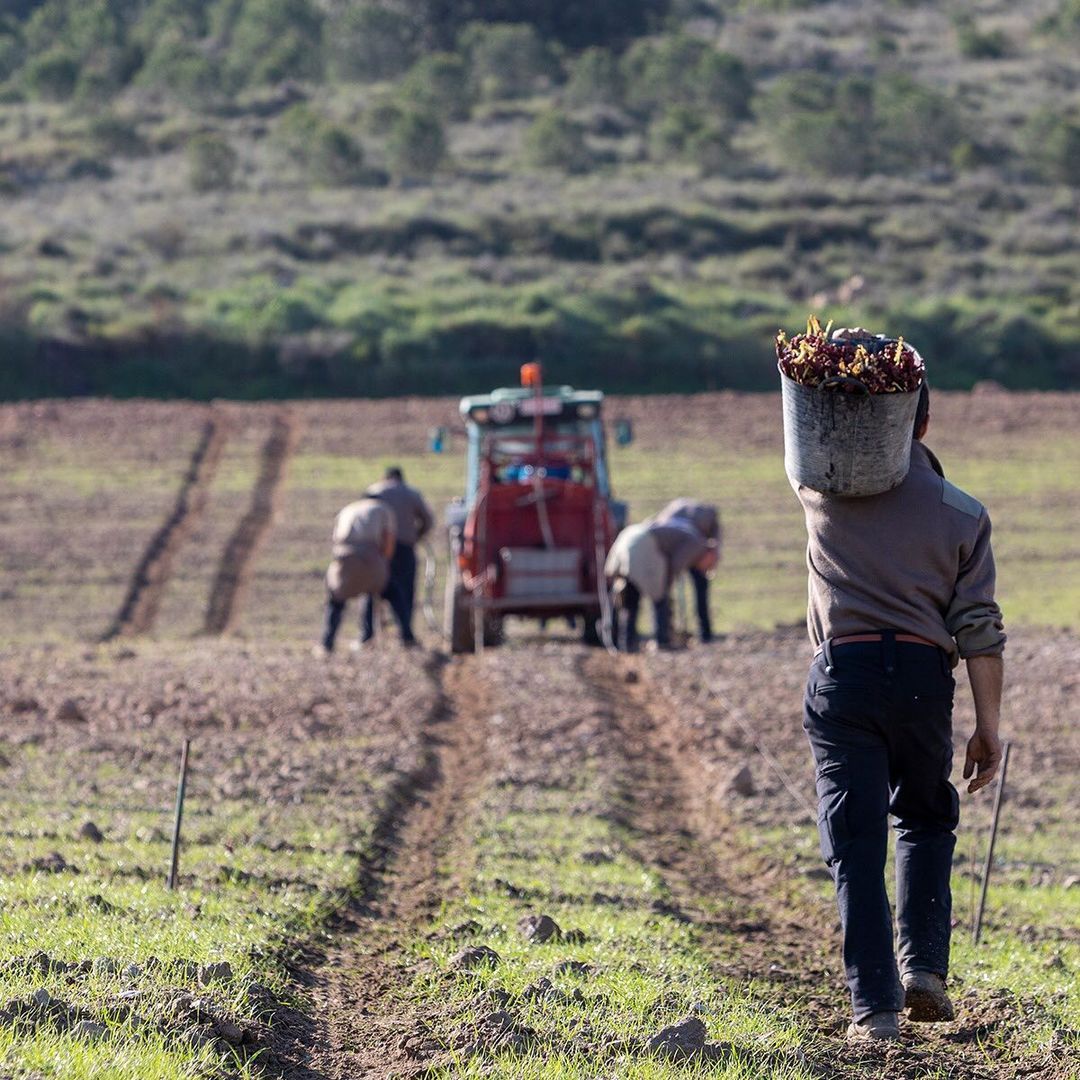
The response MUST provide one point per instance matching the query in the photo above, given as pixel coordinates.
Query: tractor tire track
(701, 855)
(143, 599)
(660, 778)
(354, 986)
(238, 557)
(755, 934)
(786, 943)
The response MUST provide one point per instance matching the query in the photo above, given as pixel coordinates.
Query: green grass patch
(647, 968)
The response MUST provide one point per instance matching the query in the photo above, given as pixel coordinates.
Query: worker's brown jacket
(412, 515)
(916, 559)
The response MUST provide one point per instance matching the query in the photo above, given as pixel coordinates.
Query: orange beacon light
(531, 375)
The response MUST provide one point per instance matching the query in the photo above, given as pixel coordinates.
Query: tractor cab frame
(532, 533)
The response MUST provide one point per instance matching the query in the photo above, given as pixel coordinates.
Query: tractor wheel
(461, 622)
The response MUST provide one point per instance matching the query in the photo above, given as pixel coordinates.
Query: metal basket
(840, 439)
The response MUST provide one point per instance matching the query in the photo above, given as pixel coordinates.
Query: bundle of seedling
(882, 365)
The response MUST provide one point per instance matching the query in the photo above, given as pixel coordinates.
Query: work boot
(877, 1027)
(925, 998)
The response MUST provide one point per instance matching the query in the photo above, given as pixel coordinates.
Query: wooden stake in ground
(181, 789)
(976, 930)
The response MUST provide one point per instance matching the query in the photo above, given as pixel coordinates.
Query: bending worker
(706, 519)
(364, 537)
(413, 521)
(645, 560)
(901, 589)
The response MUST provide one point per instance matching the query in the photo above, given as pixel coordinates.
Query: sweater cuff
(985, 638)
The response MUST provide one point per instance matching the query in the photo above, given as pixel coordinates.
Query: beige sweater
(916, 559)
(361, 522)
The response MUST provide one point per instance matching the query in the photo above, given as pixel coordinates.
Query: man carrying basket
(901, 588)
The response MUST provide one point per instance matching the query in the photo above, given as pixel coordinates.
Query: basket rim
(788, 380)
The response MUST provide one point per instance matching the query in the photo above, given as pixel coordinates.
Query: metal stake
(976, 930)
(181, 788)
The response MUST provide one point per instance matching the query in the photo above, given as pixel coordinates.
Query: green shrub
(274, 40)
(508, 60)
(554, 141)
(294, 130)
(439, 83)
(856, 126)
(670, 134)
(689, 134)
(328, 152)
(181, 68)
(978, 44)
(336, 157)
(416, 145)
(53, 76)
(211, 162)
(115, 135)
(710, 150)
(12, 52)
(369, 42)
(724, 84)
(596, 79)
(1065, 21)
(383, 113)
(1052, 143)
(683, 70)
(573, 23)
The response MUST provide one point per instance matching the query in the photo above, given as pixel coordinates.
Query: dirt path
(238, 557)
(771, 933)
(140, 607)
(687, 836)
(360, 1020)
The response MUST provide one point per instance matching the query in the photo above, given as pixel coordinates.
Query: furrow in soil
(238, 558)
(354, 986)
(143, 599)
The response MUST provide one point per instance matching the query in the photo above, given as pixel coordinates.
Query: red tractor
(532, 533)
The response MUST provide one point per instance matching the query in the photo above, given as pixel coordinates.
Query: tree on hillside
(856, 127)
(508, 60)
(685, 70)
(271, 40)
(369, 42)
(416, 145)
(575, 23)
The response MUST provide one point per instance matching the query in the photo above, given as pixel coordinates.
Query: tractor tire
(461, 623)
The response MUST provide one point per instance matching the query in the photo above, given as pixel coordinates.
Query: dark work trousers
(879, 719)
(701, 601)
(400, 592)
(331, 621)
(629, 604)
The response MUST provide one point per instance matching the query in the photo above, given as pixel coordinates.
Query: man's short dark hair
(922, 410)
(394, 473)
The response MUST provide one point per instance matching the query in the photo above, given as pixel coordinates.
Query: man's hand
(983, 759)
(986, 674)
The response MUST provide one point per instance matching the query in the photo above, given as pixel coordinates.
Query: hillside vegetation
(289, 197)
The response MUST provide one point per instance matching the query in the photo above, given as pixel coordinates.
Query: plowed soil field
(539, 862)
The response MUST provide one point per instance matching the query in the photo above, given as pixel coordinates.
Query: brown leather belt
(851, 639)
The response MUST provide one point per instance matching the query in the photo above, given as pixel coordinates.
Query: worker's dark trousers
(400, 593)
(701, 601)
(335, 609)
(629, 604)
(879, 719)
